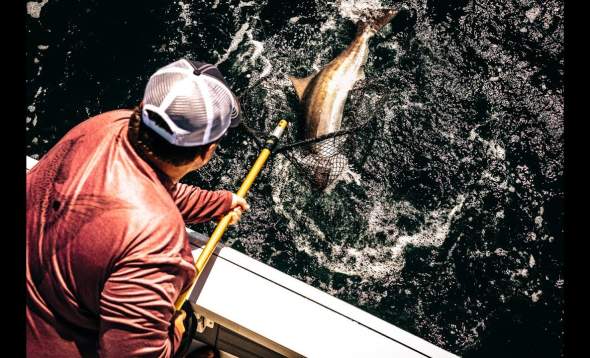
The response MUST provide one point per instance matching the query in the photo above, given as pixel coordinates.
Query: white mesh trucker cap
(194, 101)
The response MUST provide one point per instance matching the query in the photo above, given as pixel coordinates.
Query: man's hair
(145, 140)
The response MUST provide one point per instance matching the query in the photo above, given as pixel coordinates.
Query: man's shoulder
(114, 116)
(106, 121)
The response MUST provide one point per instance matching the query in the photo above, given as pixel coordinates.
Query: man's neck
(173, 172)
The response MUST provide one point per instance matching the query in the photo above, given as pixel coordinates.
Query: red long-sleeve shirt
(107, 253)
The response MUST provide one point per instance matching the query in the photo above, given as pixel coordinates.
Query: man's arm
(197, 205)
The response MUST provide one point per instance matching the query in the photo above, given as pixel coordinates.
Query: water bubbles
(501, 252)
(521, 273)
(236, 39)
(185, 14)
(536, 296)
(355, 10)
(34, 8)
(330, 24)
(532, 13)
(531, 236)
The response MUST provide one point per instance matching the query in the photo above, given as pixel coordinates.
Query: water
(452, 228)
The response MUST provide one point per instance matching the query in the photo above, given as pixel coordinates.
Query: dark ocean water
(451, 223)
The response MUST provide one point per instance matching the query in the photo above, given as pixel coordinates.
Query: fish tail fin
(376, 20)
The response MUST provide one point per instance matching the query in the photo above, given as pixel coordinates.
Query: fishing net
(324, 159)
(321, 160)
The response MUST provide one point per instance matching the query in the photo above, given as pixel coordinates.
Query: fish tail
(376, 20)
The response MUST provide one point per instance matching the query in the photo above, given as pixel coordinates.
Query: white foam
(370, 262)
(330, 24)
(355, 9)
(320, 60)
(531, 236)
(496, 150)
(493, 149)
(238, 37)
(532, 13)
(255, 54)
(34, 8)
(185, 13)
(246, 3)
(520, 273)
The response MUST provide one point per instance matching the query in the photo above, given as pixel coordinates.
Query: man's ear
(208, 153)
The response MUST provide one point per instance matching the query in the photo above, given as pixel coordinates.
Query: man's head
(186, 109)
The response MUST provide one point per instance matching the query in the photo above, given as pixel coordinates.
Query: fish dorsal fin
(300, 84)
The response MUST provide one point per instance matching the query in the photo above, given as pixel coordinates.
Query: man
(107, 254)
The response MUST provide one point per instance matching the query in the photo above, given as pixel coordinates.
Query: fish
(324, 93)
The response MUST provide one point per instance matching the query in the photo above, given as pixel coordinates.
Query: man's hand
(238, 205)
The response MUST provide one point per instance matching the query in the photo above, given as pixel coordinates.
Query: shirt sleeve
(197, 205)
(137, 300)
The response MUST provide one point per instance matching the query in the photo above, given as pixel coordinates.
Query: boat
(248, 309)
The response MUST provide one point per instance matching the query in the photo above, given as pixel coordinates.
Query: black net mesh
(321, 160)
